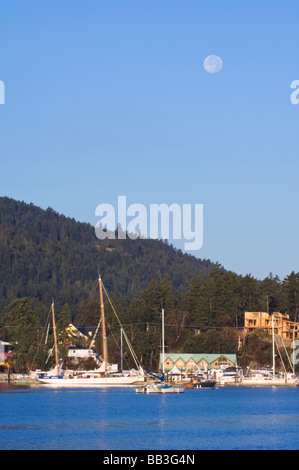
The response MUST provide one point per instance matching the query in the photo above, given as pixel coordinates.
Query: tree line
(44, 254)
(207, 318)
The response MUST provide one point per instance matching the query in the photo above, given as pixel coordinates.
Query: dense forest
(44, 255)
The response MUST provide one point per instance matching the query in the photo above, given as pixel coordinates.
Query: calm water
(110, 419)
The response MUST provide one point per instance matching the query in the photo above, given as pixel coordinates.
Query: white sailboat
(160, 386)
(102, 377)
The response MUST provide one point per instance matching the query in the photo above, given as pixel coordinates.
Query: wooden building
(283, 327)
(189, 362)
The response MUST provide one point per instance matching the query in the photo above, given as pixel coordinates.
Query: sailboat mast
(163, 342)
(121, 350)
(273, 347)
(55, 337)
(103, 326)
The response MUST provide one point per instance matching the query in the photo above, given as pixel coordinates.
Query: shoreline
(247, 383)
(259, 384)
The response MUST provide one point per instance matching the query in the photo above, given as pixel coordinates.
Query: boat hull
(160, 389)
(167, 390)
(90, 381)
(201, 384)
(207, 384)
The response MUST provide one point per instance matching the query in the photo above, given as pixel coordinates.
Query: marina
(149, 276)
(228, 381)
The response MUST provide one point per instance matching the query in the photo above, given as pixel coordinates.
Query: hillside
(44, 254)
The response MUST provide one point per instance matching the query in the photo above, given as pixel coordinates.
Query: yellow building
(283, 327)
(189, 362)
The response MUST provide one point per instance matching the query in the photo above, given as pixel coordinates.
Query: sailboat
(104, 376)
(160, 386)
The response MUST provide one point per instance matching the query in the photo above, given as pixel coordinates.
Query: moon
(213, 64)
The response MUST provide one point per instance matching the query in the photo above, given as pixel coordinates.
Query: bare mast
(273, 347)
(55, 338)
(105, 353)
(163, 343)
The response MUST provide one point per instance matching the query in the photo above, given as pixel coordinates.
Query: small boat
(205, 384)
(201, 383)
(160, 386)
(231, 375)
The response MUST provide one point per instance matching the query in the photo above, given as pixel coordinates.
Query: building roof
(73, 332)
(198, 357)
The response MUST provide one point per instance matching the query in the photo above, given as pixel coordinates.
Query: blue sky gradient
(106, 98)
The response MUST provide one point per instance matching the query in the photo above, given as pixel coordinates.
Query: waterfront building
(190, 361)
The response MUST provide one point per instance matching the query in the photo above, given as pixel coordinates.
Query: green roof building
(192, 361)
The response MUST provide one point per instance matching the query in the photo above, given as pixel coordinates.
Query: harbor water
(226, 418)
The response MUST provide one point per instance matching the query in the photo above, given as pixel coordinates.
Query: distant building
(73, 332)
(5, 354)
(283, 327)
(81, 353)
(192, 361)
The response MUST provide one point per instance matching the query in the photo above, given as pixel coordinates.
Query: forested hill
(44, 254)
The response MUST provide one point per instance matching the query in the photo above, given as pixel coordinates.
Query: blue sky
(106, 98)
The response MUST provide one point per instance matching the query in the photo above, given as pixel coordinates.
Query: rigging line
(49, 313)
(289, 360)
(124, 333)
(138, 365)
(130, 347)
(48, 326)
(116, 341)
(95, 335)
(113, 335)
(40, 340)
(49, 354)
(47, 334)
(280, 354)
(90, 299)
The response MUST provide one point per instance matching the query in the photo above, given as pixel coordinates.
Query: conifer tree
(23, 329)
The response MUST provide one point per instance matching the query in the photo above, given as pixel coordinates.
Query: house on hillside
(282, 326)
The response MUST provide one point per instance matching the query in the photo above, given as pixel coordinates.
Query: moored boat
(205, 384)
(88, 380)
(102, 377)
(160, 386)
(201, 383)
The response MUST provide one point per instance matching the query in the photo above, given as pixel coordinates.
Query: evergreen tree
(270, 294)
(290, 295)
(64, 319)
(23, 329)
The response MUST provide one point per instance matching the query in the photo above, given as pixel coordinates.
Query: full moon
(213, 64)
